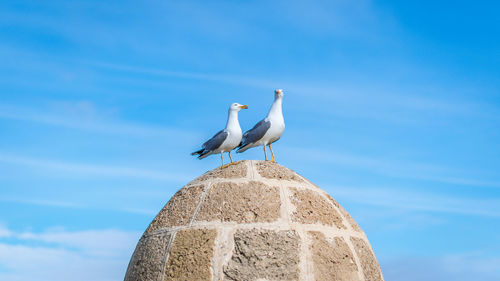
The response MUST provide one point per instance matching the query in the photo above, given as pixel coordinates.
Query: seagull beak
(244, 106)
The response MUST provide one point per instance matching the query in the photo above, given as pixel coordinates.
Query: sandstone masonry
(253, 221)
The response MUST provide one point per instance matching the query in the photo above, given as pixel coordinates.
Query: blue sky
(393, 107)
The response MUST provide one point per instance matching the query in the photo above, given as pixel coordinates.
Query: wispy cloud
(102, 243)
(74, 205)
(4, 232)
(401, 104)
(55, 255)
(391, 167)
(157, 72)
(42, 202)
(459, 267)
(339, 93)
(82, 116)
(92, 169)
(475, 261)
(351, 100)
(415, 200)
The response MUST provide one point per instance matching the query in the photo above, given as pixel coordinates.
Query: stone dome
(253, 221)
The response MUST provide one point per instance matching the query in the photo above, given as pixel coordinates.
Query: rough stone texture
(179, 210)
(242, 203)
(148, 258)
(237, 170)
(264, 254)
(350, 220)
(311, 207)
(190, 255)
(236, 225)
(272, 170)
(369, 263)
(332, 259)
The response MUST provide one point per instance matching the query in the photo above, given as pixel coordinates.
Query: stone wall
(253, 221)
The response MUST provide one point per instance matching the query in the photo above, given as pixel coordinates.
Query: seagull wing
(212, 144)
(253, 135)
(216, 141)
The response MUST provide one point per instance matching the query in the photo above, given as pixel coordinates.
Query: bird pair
(263, 133)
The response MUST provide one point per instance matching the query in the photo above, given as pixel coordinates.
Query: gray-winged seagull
(225, 140)
(268, 130)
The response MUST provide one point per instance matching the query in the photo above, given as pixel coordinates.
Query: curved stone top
(254, 220)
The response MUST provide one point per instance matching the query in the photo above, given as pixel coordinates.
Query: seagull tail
(198, 152)
(242, 148)
(203, 155)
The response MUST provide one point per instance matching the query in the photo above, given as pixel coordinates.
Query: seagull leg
(265, 152)
(231, 158)
(222, 159)
(272, 158)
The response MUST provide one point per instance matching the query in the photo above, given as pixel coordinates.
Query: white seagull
(225, 140)
(268, 130)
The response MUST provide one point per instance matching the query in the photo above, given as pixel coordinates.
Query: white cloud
(47, 264)
(460, 263)
(4, 232)
(67, 256)
(223, 78)
(460, 267)
(416, 200)
(99, 243)
(72, 205)
(83, 115)
(41, 202)
(392, 168)
(352, 101)
(92, 169)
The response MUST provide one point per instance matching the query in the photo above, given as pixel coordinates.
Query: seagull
(225, 140)
(267, 130)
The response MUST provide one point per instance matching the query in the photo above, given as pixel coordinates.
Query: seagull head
(278, 93)
(237, 107)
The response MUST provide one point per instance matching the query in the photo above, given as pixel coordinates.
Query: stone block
(148, 258)
(190, 255)
(312, 208)
(271, 170)
(264, 255)
(242, 203)
(179, 210)
(237, 170)
(369, 263)
(333, 260)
